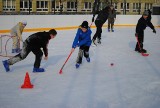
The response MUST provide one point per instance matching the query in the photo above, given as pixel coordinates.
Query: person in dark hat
(33, 43)
(143, 22)
(83, 41)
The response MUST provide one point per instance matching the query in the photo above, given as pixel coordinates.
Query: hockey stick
(60, 72)
(143, 54)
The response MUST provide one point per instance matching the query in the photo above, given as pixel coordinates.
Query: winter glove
(136, 34)
(154, 31)
(75, 46)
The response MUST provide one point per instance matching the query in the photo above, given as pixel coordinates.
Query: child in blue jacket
(83, 41)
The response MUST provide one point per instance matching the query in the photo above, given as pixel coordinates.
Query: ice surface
(133, 81)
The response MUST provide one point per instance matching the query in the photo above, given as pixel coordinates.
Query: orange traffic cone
(27, 84)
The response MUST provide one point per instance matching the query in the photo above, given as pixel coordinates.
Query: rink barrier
(65, 28)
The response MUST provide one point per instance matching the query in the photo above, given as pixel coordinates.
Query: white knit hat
(24, 22)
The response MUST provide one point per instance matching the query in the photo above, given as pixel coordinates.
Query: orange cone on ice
(27, 83)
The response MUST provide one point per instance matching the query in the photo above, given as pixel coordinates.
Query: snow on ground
(132, 82)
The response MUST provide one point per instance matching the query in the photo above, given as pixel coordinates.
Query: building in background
(73, 6)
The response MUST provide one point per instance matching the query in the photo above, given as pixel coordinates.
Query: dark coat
(142, 24)
(39, 40)
(103, 15)
(112, 14)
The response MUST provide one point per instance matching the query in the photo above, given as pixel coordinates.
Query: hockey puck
(112, 64)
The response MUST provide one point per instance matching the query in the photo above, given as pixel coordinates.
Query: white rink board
(47, 21)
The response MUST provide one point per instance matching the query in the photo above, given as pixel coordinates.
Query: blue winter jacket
(82, 38)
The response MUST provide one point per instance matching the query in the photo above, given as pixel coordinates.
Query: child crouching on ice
(83, 41)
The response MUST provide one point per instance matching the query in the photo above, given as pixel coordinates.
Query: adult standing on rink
(33, 43)
(100, 20)
(16, 33)
(111, 18)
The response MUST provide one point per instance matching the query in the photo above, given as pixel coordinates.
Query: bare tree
(139, 10)
(124, 8)
(61, 6)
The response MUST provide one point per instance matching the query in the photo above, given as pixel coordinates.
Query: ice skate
(94, 42)
(141, 51)
(99, 41)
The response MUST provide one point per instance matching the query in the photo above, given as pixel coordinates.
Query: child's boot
(14, 51)
(38, 70)
(77, 65)
(88, 59)
(6, 65)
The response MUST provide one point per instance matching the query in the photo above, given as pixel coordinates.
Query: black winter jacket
(39, 40)
(142, 24)
(103, 15)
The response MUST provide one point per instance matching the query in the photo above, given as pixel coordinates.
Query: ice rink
(132, 82)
